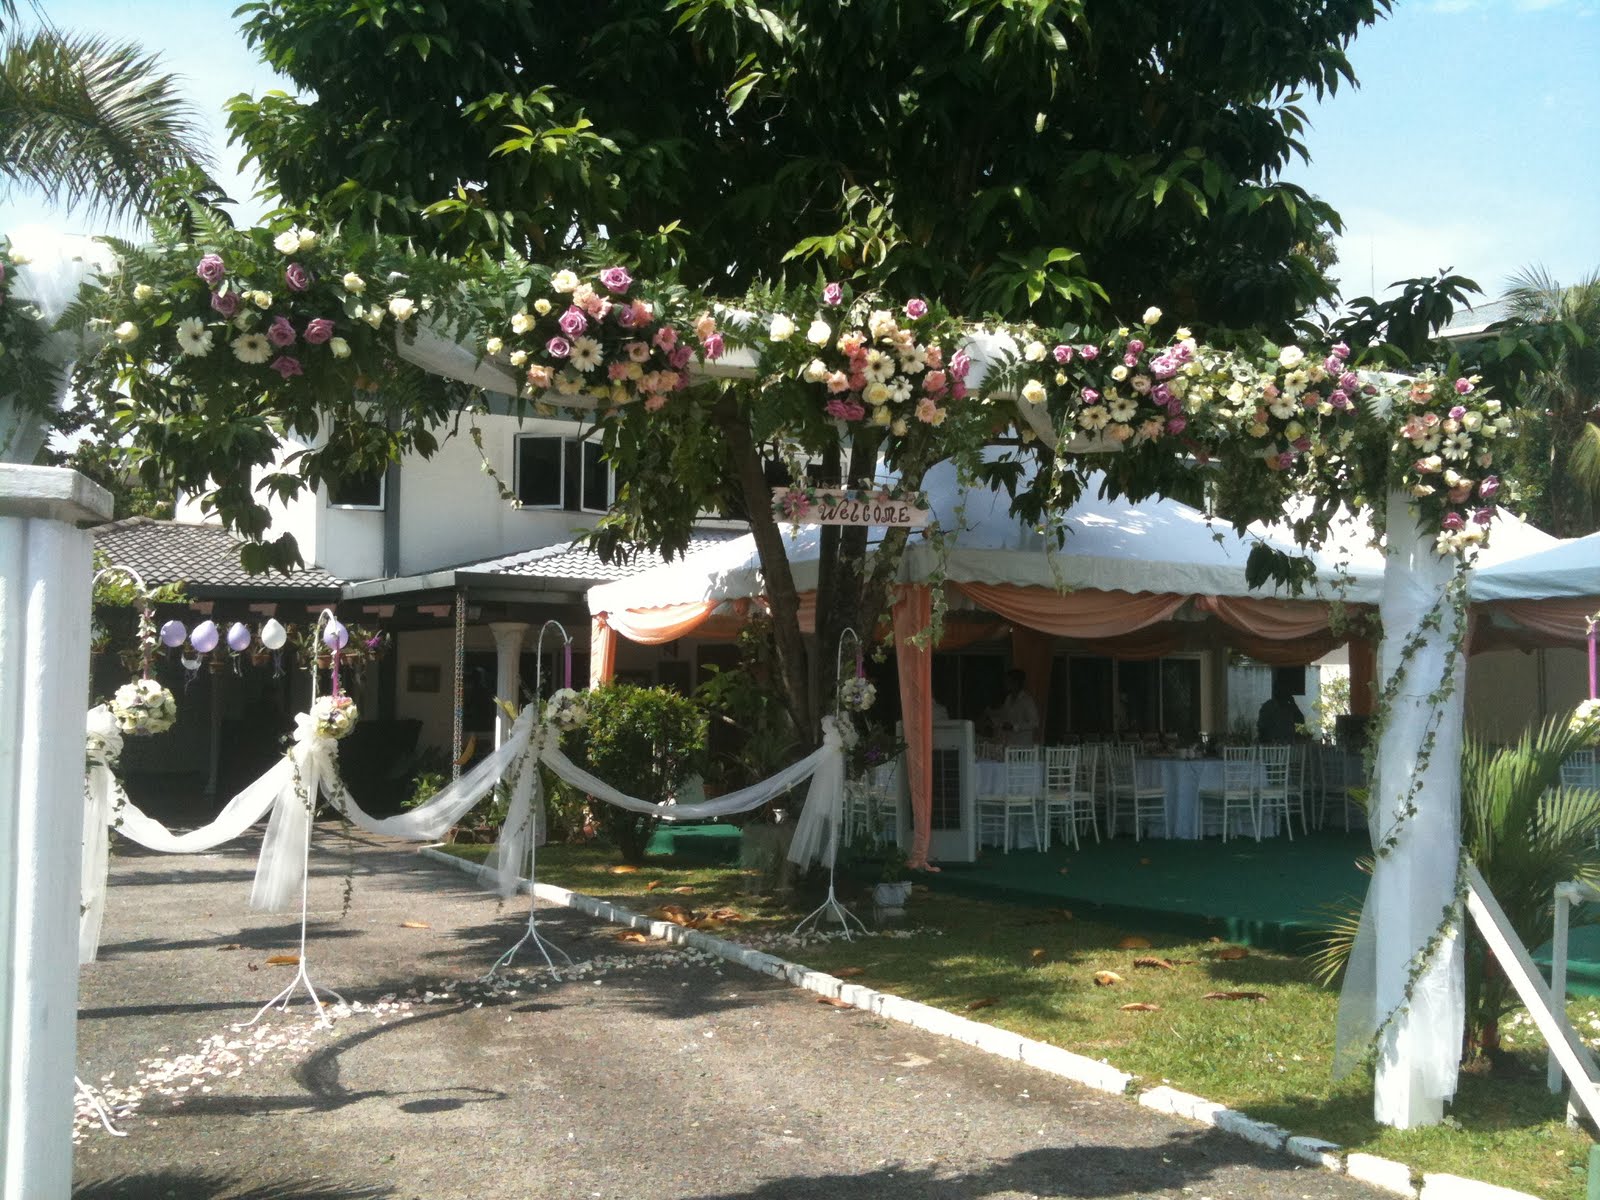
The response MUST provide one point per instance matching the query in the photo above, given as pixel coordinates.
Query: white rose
(819, 333)
(521, 322)
(493, 346)
(1153, 314)
(403, 308)
(262, 300)
(564, 281)
(340, 347)
(308, 238)
(518, 357)
(288, 242)
(816, 371)
(881, 417)
(127, 333)
(1119, 372)
(1033, 392)
(542, 306)
(1291, 357)
(1034, 352)
(782, 328)
(354, 284)
(374, 317)
(143, 292)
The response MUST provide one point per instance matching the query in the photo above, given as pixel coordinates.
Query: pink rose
(958, 390)
(296, 277)
(1458, 412)
(539, 376)
(1452, 521)
(654, 402)
(637, 351)
(1341, 351)
(1285, 460)
(1461, 493)
(1089, 396)
(713, 347)
(1270, 391)
(1483, 516)
(858, 381)
(960, 364)
(211, 269)
(666, 337)
(558, 347)
(617, 372)
(833, 294)
(916, 308)
(640, 312)
(838, 382)
(1135, 347)
(704, 326)
(935, 382)
(624, 315)
(1463, 386)
(573, 322)
(596, 305)
(280, 333)
(935, 357)
(1488, 488)
(319, 330)
(1338, 399)
(616, 280)
(1089, 353)
(1349, 381)
(225, 303)
(844, 410)
(287, 366)
(1177, 424)
(1063, 354)
(679, 356)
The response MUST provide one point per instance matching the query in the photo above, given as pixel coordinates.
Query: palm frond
(90, 123)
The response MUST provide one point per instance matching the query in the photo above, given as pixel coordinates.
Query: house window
(357, 491)
(564, 473)
(540, 471)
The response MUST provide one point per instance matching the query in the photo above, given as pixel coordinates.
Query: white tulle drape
(288, 790)
(1414, 883)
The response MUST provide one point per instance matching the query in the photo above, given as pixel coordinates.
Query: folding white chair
(1272, 788)
(1238, 790)
(1301, 759)
(1578, 770)
(884, 800)
(1064, 797)
(1023, 791)
(1147, 803)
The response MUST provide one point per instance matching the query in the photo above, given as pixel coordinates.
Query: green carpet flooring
(698, 843)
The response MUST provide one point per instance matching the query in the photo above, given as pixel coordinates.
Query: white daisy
(585, 354)
(1457, 445)
(880, 367)
(914, 360)
(1124, 408)
(194, 339)
(900, 390)
(252, 348)
(1094, 417)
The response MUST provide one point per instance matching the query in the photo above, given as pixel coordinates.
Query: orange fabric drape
(1278, 652)
(960, 635)
(602, 651)
(1278, 620)
(1085, 614)
(1363, 676)
(1033, 653)
(1153, 641)
(912, 614)
(652, 626)
(1561, 621)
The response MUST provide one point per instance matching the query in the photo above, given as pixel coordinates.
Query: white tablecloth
(1183, 779)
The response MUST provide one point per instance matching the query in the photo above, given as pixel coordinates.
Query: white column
(1419, 1051)
(44, 685)
(508, 637)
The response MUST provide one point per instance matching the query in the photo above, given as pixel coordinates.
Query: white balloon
(334, 635)
(204, 637)
(274, 635)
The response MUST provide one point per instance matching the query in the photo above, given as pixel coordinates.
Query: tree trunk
(782, 599)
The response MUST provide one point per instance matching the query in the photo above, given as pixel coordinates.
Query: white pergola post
(508, 637)
(1415, 882)
(45, 595)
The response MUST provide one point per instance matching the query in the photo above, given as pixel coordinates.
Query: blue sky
(1473, 141)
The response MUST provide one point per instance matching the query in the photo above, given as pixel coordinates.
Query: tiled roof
(1468, 322)
(581, 564)
(204, 557)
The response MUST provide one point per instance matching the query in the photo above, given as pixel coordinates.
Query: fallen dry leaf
(1037, 954)
(1063, 871)
(706, 923)
(1134, 942)
(231, 946)
(1106, 978)
(1234, 996)
(652, 885)
(631, 935)
(834, 1002)
(1144, 862)
(1232, 953)
(625, 869)
(726, 914)
(686, 889)
(850, 972)
(283, 960)
(675, 913)
(1141, 1006)
(415, 925)
(251, 967)
(986, 1002)
(1154, 962)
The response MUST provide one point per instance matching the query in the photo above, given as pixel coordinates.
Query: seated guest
(1016, 718)
(1280, 719)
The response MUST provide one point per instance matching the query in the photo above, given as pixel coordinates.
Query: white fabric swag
(287, 789)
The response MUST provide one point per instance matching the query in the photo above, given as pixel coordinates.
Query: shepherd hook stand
(314, 792)
(542, 945)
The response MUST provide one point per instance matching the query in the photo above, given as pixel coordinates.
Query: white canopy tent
(1559, 569)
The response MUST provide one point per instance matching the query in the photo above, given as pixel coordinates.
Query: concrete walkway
(643, 1072)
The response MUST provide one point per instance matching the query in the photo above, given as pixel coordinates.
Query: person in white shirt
(1016, 718)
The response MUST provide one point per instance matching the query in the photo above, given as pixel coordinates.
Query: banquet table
(1182, 779)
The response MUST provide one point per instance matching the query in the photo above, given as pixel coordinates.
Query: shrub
(643, 741)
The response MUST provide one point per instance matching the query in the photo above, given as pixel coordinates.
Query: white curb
(1381, 1173)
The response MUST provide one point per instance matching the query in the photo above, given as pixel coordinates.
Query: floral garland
(579, 344)
(566, 710)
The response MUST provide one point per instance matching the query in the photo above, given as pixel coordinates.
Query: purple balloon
(204, 638)
(238, 637)
(334, 635)
(172, 634)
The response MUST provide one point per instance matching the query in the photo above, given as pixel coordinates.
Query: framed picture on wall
(422, 677)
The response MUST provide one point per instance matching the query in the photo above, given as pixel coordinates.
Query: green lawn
(1270, 1058)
